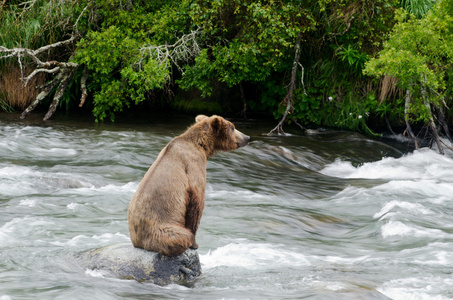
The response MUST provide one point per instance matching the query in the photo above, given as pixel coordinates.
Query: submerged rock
(124, 261)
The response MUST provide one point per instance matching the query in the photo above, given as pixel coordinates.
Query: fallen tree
(185, 48)
(62, 72)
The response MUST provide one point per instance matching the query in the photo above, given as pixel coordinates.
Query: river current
(323, 215)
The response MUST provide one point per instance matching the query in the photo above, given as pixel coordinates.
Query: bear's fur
(166, 209)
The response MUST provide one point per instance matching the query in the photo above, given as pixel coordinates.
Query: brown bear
(166, 209)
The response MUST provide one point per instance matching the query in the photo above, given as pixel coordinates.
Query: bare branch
(48, 88)
(289, 96)
(55, 45)
(21, 68)
(67, 77)
(78, 18)
(64, 71)
(449, 147)
(28, 4)
(36, 71)
(184, 49)
(83, 86)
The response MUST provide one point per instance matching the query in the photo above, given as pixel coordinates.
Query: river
(323, 215)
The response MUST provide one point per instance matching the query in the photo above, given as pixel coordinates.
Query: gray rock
(124, 261)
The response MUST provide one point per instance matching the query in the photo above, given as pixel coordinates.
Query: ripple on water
(283, 218)
(253, 256)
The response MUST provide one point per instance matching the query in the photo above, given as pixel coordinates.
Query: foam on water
(412, 208)
(127, 188)
(20, 229)
(28, 202)
(54, 152)
(72, 206)
(95, 273)
(84, 241)
(423, 164)
(252, 256)
(243, 194)
(416, 288)
(396, 228)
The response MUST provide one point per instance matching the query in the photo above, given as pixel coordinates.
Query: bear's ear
(200, 118)
(216, 123)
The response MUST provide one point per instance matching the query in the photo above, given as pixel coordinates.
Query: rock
(124, 261)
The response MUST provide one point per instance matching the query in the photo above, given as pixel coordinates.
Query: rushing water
(326, 215)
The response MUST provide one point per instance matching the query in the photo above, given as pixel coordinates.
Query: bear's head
(222, 133)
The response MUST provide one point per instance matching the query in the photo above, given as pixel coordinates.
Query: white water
(327, 216)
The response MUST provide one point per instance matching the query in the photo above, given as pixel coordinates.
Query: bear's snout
(242, 139)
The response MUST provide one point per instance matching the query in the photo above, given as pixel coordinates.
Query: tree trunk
(431, 125)
(406, 118)
(289, 96)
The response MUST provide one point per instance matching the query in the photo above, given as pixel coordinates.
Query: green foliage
(353, 57)
(16, 32)
(120, 73)
(418, 53)
(123, 45)
(247, 40)
(352, 114)
(32, 24)
(4, 106)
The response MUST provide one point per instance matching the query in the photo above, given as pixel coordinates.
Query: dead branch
(63, 72)
(64, 82)
(443, 123)
(289, 96)
(449, 147)
(48, 87)
(36, 71)
(184, 49)
(83, 86)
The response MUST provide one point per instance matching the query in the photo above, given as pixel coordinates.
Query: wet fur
(165, 212)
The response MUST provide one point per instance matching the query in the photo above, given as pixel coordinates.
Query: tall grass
(417, 7)
(18, 31)
(12, 92)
